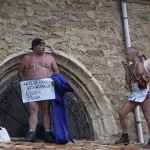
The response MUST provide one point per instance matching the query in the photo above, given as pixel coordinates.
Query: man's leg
(46, 114)
(48, 137)
(128, 107)
(33, 120)
(146, 111)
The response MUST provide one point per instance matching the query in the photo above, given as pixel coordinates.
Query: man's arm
(21, 69)
(54, 66)
(140, 70)
(127, 75)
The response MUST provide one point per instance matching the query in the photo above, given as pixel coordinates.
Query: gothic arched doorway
(14, 114)
(89, 97)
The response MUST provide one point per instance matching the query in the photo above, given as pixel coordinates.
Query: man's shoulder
(49, 55)
(131, 66)
(140, 63)
(27, 56)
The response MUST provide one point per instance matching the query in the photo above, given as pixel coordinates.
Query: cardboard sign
(37, 90)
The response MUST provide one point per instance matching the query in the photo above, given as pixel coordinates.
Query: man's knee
(147, 116)
(46, 112)
(33, 110)
(46, 107)
(121, 114)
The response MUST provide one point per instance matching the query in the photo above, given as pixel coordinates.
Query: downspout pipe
(128, 44)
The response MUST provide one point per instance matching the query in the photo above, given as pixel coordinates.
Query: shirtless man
(135, 77)
(37, 65)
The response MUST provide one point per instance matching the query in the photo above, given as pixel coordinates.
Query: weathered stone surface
(26, 2)
(98, 53)
(139, 1)
(89, 31)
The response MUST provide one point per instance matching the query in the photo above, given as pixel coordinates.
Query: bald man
(135, 78)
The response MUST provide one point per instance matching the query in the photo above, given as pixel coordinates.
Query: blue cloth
(59, 109)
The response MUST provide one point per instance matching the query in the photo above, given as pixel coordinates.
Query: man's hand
(53, 83)
(146, 77)
(143, 82)
(125, 65)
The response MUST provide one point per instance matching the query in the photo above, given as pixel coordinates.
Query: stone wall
(89, 31)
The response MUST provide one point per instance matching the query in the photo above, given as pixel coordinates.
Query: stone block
(26, 2)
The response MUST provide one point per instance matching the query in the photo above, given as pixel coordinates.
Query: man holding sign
(38, 66)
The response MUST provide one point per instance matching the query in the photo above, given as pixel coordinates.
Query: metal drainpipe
(128, 44)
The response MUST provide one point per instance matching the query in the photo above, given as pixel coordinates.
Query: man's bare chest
(34, 63)
(134, 72)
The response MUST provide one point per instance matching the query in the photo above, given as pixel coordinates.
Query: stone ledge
(78, 145)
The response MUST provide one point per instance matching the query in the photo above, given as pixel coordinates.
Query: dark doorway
(14, 115)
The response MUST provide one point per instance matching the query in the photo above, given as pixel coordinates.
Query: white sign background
(37, 90)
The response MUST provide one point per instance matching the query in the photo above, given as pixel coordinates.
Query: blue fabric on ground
(59, 109)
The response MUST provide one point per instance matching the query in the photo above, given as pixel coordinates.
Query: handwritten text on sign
(37, 90)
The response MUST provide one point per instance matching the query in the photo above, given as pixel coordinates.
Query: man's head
(38, 46)
(131, 53)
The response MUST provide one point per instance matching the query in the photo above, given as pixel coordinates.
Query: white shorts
(137, 95)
